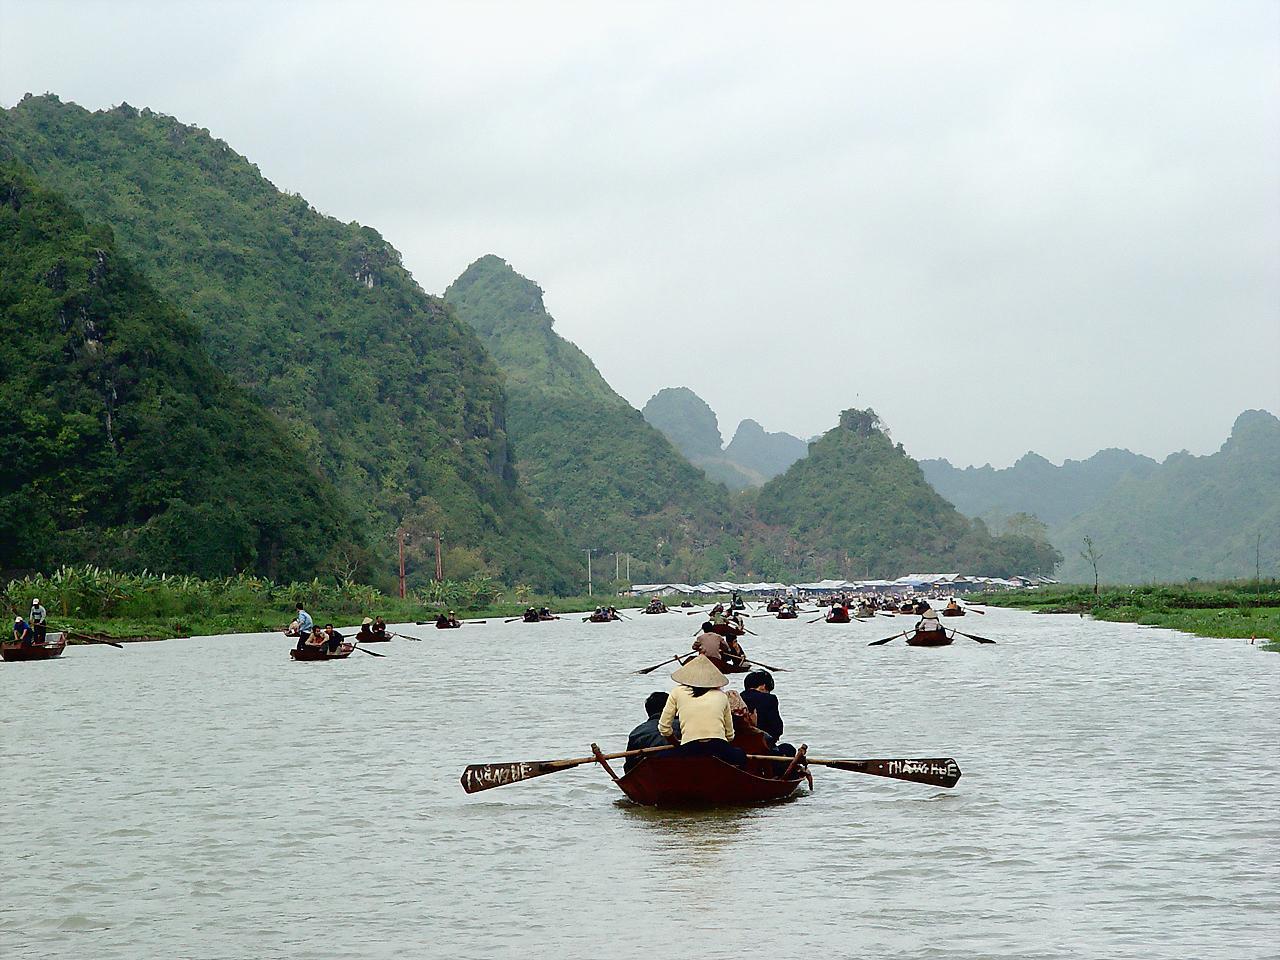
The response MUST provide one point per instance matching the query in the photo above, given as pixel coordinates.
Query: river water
(209, 798)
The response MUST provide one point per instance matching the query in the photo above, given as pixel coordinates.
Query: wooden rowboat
(321, 652)
(838, 615)
(952, 611)
(698, 782)
(448, 624)
(929, 638)
(54, 644)
(787, 615)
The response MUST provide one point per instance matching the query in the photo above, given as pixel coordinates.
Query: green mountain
(319, 320)
(686, 420)
(1034, 485)
(859, 505)
(585, 455)
(1190, 516)
(766, 454)
(124, 444)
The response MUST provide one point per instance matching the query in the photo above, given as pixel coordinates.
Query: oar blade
(876, 643)
(974, 638)
(937, 772)
(486, 776)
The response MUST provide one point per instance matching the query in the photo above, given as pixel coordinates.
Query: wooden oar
(514, 619)
(937, 772)
(876, 643)
(976, 610)
(972, 637)
(369, 652)
(85, 636)
(409, 637)
(823, 617)
(641, 673)
(486, 776)
(757, 663)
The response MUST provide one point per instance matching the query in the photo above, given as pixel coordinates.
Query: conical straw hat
(699, 672)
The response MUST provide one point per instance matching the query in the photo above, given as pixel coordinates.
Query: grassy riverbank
(1229, 609)
(150, 607)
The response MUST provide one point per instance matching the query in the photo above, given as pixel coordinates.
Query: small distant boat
(54, 644)
(321, 652)
(443, 623)
(952, 610)
(865, 611)
(698, 782)
(786, 615)
(838, 615)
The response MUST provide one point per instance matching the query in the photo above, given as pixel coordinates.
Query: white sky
(1011, 226)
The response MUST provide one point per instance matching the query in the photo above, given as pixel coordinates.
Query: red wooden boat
(728, 629)
(838, 615)
(321, 652)
(952, 611)
(373, 637)
(787, 615)
(54, 644)
(659, 781)
(448, 624)
(929, 638)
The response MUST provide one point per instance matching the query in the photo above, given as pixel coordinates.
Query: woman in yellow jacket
(706, 721)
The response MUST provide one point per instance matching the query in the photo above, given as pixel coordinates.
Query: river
(209, 798)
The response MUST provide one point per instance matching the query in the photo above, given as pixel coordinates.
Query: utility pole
(400, 538)
(589, 551)
(617, 566)
(439, 563)
(628, 569)
(1257, 558)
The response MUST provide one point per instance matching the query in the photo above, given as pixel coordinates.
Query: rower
(21, 632)
(701, 706)
(929, 622)
(711, 645)
(37, 618)
(365, 633)
(380, 627)
(305, 626)
(545, 614)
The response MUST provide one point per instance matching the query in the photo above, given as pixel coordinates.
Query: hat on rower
(699, 672)
(930, 614)
(35, 602)
(366, 621)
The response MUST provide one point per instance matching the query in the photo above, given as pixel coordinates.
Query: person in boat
(646, 734)
(757, 694)
(929, 622)
(545, 614)
(365, 633)
(331, 638)
(38, 618)
(448, 620)
(306, 626)
(700, 704)
(711, 645)
(734, 654)
(656, 606)
(380, 627)
(531, 615)
(22, 632)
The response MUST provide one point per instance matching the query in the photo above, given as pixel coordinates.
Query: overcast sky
(1050, 226)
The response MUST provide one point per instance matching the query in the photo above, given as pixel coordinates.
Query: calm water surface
(209, 798)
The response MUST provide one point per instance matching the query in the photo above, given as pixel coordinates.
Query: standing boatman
(37, 619)
(305, 626)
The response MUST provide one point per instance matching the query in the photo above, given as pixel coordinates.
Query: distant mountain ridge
(1034, 485)
(751, 458)
(1210, 517)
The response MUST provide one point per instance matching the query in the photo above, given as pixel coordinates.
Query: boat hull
(322, 652)
(948, 612)
(929, 638)
(700, 782)
(447, 626)
(54, 644)
(786, 615)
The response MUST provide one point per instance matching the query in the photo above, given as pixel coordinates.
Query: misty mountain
(767, 454)
(377, 381)
(585, 455)
(1189, 516)
(752, 457)
(1034, 485)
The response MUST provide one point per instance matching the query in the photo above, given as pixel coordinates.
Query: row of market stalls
(911, 583)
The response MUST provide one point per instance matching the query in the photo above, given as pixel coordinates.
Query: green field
(1245, 609)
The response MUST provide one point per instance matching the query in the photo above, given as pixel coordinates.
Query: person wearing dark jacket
(757, 694)
(647, 735)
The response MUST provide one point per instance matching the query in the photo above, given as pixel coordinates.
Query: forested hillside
(586, 456)
(122, 443)
(377, 381)
(766, 454)
(859, 505)
(1212, 517)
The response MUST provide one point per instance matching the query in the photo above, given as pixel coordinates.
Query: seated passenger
(646, 734)
(757, 693)
(706, 723)
(365, 633)
(331, 638)
(380, 627)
